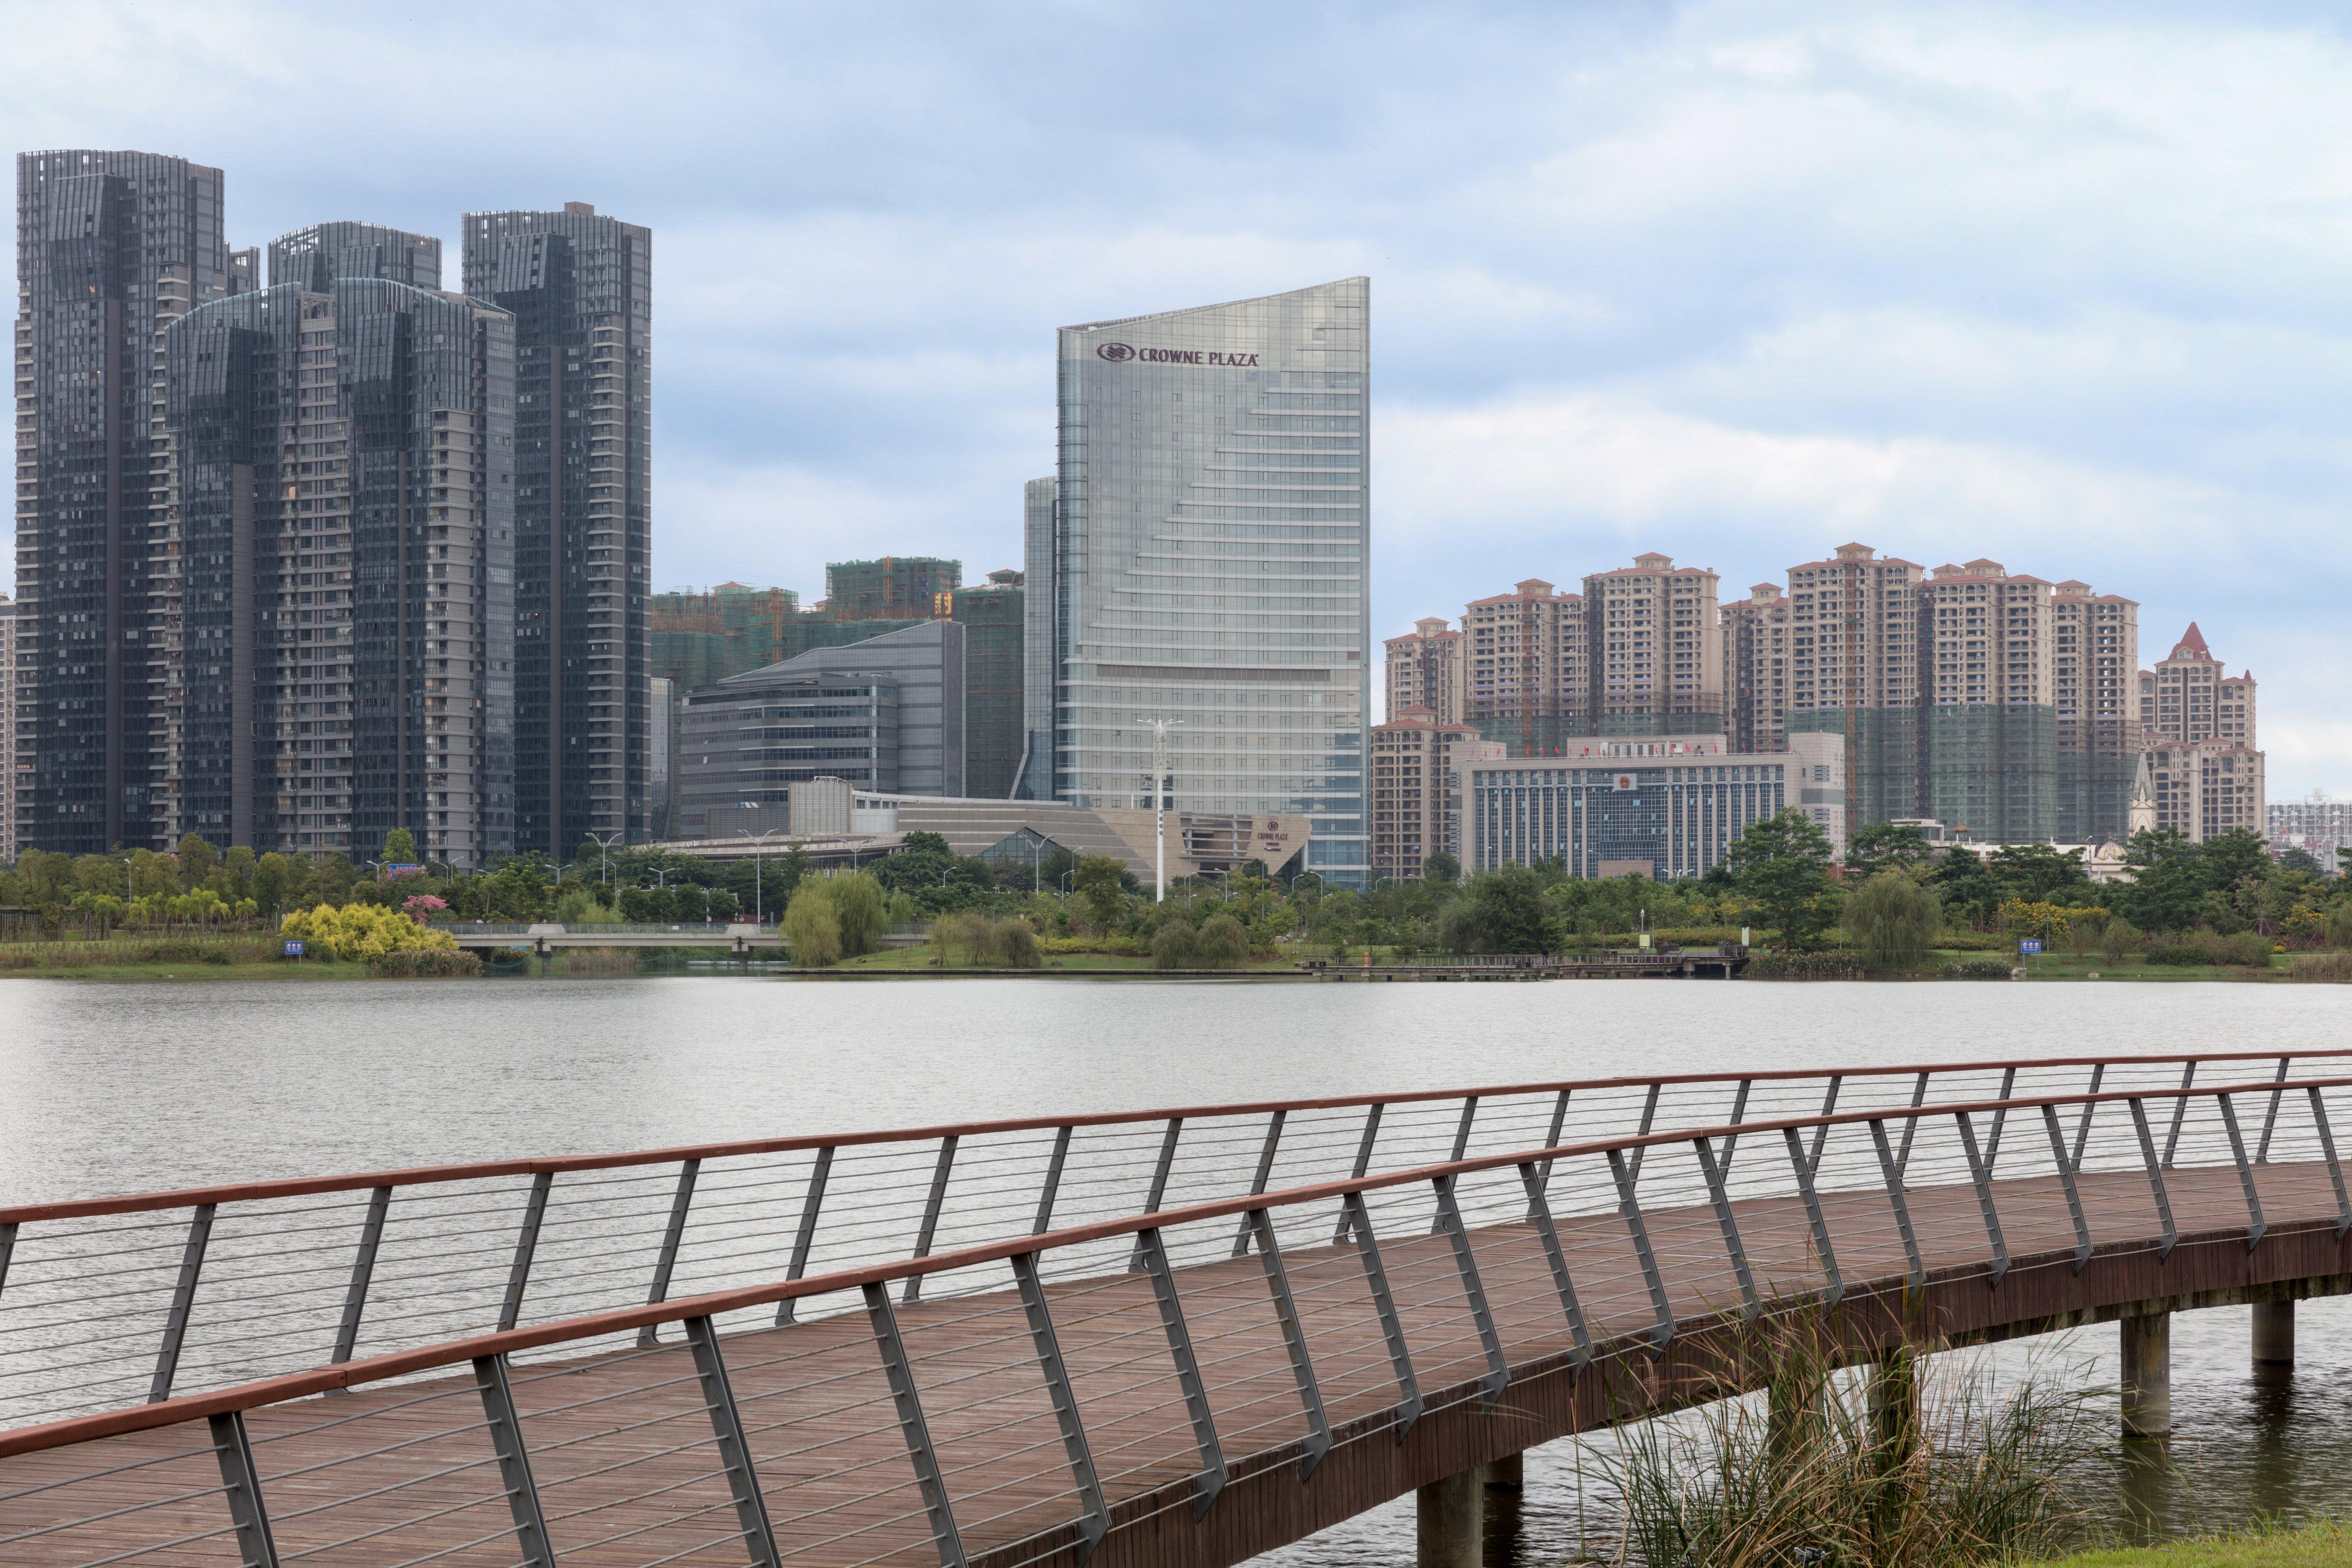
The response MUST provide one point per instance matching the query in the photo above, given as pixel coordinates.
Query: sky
(2064, 286)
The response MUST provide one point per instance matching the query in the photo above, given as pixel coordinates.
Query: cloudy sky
(2063, 286)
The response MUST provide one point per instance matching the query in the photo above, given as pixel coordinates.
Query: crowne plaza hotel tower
(1205, 563)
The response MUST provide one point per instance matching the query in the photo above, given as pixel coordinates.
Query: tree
(1173, 944)
(1100, 891)
(399, 848)
(1223, 943)
(1885, 847)
(1441, 867)
(197, 859)
(2033, 872)
(2297, 859)
(329, 881)
(1506, 912)
(1968, 890)
(861, 910)
(2230, 857)
(810, 926)
(1891, 920)
(2167, 892)
(1783, 864)
(273, 883)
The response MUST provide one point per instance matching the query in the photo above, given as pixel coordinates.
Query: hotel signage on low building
(1118, 354)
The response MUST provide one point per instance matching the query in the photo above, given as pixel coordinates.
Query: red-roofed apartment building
(2198, 724)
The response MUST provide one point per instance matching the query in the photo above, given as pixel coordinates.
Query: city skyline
(1722, 283)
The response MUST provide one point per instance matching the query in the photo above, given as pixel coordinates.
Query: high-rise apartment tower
(344, 524)
(1525, 667)
(111, 248)
(580, 287)
(1208, 562)
(1654, 641)
(1426, 670)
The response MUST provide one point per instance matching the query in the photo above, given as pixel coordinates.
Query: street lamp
(1227, 883)
(759, 875)
(605, 842)
(1066, 881)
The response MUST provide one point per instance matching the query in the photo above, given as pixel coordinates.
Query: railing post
(900, 1371)
(1159, 1193)
(2179, 1114)
(2270, 1120)
(1539, 1214)
(1910, 1126)
(241, 1485)
(734, 1448)
(666, 1262)
(2156, 1178)
(2000, 1120)
(1211, 1478)
(1376, 1278)
(1721, 1197)
(2083, 1127)
(2254, 1226)
(2318, 1120)
(1462, 1130)
(1803, 1166)
(7, 1250)
(1982, 1177)
(1821, 1133)
(1363, 1163)
(1630, 1208)
(1465, 1261)
(1294, 1337)
(514, 1461)
(805, 1237)
(1551, 1138)
(2066, 1180)
(347, 1334)
(1649, 1120)
(1739, 1114)
(1264, 1174)
(1052, 1187)
(534, 1213)
(931, 1204)
(1892, 1170)
(183, 1301)
(1063, 1395)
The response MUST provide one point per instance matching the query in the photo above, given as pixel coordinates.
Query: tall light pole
(605, 842)
(1159, 728)
(759, 876)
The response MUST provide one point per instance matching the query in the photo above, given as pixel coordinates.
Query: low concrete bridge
(1169, 1337)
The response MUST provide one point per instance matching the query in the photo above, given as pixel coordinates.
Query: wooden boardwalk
(621, 1443)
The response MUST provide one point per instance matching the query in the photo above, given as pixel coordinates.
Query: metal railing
(114, 1301)
(1051, 1387)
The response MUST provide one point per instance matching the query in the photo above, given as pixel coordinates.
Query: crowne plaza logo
(1118, 354)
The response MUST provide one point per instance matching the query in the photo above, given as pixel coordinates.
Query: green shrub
(1977, 968)
(427, 963)
(2336, 967)
(1805, 966)
(2246, 949)
(1173, 945)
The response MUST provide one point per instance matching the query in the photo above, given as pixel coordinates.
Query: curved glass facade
(1208, 564)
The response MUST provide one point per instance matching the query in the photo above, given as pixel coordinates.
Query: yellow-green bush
(362, 932)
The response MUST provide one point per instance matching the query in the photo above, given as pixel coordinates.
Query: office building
(7, 729)
(993, 616)
(580, 287)
(894, 589)
(1425, 670)
(1035, 778)
(886, 715)
(111, 248)
(1757, 654)
(1662, 808)
(1526, 667)
(1208, 562)
(1416, 803)
(343, 524)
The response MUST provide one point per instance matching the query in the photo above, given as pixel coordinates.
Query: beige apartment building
(1524, 662)
(2198, 724)
(1653, 637)
(1415, 794)
(1755, 669)
(1425, 670)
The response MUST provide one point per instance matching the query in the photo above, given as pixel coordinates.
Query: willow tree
(1892, 920)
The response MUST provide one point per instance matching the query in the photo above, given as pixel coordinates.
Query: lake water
(113, 1088)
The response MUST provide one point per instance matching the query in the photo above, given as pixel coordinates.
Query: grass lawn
(2320, 1546)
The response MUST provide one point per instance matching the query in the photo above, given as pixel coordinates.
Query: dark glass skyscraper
(580, 287)
(315, 257)
(111, 248)
(345, 526)
(1207, 563)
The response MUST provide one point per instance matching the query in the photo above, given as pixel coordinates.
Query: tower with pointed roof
(2197, 723)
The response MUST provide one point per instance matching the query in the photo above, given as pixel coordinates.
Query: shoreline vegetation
(1898, 907)
(2324, 1544)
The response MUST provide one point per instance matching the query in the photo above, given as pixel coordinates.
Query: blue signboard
(293, 950)
(2031, 944)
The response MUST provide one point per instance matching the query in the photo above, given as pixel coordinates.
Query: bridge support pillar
(1451, 1520)
(2147, 1375)
(2273, 1333)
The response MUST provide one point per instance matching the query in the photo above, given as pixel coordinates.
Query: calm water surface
(112, 1087)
